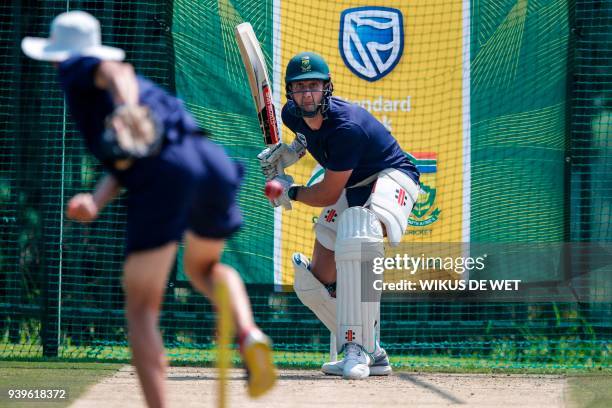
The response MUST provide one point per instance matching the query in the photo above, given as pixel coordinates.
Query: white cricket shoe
(356, 362)
(381, 365)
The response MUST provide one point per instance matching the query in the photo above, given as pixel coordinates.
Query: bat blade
(259, 82)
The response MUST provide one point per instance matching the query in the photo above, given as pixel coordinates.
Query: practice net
(504, 107)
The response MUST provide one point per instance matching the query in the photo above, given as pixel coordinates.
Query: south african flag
(426, 162)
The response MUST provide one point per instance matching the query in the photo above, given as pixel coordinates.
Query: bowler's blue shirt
(190, 183)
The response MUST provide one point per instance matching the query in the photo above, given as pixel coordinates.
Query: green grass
(588, 391)
(205, 357)
(73, 377)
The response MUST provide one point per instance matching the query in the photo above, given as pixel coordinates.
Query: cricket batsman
(367, 192)
(179, 184)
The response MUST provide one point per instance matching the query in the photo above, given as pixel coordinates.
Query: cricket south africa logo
(371, 40)
(306, 64)
(425, 211)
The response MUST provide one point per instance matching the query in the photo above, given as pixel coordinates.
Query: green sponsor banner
(518, 115)
(210, 78)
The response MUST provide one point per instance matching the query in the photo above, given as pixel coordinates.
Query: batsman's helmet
(308, 66)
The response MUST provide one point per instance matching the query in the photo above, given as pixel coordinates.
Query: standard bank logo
(371, 40)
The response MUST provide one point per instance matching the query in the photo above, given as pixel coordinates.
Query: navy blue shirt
(350, 138)
(190, 183)
(89, 105)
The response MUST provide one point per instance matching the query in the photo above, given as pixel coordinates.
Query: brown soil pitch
(197, 387)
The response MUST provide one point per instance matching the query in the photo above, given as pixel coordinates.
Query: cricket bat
(259, 82)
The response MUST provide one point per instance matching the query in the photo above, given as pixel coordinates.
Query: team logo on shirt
(425, 211)
(371, 40)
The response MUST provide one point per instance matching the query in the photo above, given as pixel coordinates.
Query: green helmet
(306, 65)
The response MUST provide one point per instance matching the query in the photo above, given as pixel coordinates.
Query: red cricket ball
(273, 189)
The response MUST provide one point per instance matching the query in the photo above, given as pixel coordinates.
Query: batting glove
(283, 200)
(280, 156)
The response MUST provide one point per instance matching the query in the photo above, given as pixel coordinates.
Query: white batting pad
(392, 200)
(312, 293)
(333, 350)
(327, 223)
(359, 240)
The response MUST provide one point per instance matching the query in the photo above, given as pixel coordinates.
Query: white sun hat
(72, 33)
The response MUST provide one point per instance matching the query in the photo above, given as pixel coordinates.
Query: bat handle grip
(280, 170)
